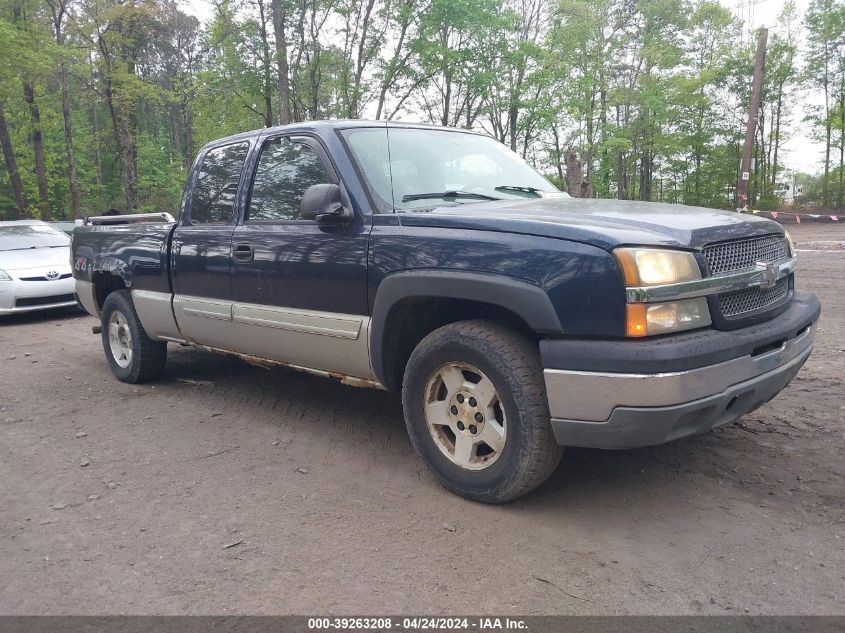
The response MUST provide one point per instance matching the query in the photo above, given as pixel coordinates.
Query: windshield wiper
(446, 195)
(519, 189)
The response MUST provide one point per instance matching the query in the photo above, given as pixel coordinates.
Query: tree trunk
(825, 188)
(187, 125)
(71, 155)
(95, 125)
(126, 149)
(646, 171)
(279, 19)
(95, 120)
(58, 10)
(841, 195)
(125, 123)
(513, 114)
(393, 66)
(621, 165)
(575, 185)
(38, 148)
(12, 167)
(558, 155)
(360, 62)
(761, 177)
(447, 98)
(175, 134)
(776, 140)
(265, 59)
(621, 177)
(590, 147)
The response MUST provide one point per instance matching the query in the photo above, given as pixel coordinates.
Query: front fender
(531, 303)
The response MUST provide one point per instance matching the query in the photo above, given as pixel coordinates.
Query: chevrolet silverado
(434, 262)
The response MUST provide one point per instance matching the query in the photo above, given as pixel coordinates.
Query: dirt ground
(227, 488)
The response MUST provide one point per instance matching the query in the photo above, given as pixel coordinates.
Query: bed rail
(130, 218)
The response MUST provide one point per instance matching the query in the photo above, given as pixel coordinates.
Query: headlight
(790, 242)
(648, 319)
(4, 276)
(653, 267)
(656, 267)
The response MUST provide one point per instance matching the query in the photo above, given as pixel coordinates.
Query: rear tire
(479, 383)
(132, 356)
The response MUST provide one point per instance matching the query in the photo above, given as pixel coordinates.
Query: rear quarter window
(213, 197)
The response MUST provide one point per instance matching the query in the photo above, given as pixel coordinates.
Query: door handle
(243, 252)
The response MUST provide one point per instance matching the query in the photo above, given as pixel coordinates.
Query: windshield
(20, 236)
(413, 168)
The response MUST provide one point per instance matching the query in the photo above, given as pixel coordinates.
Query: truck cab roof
(324, 127)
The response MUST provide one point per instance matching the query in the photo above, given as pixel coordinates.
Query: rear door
(300, 295)
(201, 252)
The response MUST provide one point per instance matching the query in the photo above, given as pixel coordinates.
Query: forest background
(104, 103)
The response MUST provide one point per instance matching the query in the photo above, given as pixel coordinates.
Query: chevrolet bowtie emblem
(769, 276)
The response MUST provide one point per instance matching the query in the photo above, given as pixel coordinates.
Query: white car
(34, 267)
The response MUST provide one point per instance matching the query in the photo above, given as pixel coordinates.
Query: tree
(59, 12)
(449, 48)
(10, 35)
(825, 23)
(12, 166)
(121, 33)
(402, 19)
(283, 71)
(22, 21)
(105, 102)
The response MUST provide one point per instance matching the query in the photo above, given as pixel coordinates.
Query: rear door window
(213, 198)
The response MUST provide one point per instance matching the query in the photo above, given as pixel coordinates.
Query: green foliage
(649, 95)
(768, 202)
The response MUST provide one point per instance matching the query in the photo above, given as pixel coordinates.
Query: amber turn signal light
(636, 320)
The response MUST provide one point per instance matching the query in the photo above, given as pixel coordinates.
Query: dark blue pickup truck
(513, 319)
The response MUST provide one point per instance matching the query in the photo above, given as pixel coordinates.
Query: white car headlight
(4, 276)
(643, 267)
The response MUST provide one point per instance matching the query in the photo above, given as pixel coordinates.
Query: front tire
(133, 356)
(476, 411)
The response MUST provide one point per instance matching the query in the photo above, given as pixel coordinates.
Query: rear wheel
(132, 355)
(476, 411)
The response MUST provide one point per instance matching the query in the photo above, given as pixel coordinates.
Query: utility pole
(751, 129)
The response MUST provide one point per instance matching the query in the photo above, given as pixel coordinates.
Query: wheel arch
(409, 305)
(105, 282)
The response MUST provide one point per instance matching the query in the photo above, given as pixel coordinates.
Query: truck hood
(603, 223)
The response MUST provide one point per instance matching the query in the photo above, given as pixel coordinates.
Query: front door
(202, 258)
(300, 293)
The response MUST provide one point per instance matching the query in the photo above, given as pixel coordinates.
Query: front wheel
(132, 355)
(476, 411)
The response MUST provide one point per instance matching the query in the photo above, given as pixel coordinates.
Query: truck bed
(137, 253)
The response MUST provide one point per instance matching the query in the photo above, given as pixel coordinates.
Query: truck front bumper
(624, 394)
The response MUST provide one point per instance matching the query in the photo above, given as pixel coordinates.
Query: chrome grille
(730, 257)
(750, 299)
(743, 254)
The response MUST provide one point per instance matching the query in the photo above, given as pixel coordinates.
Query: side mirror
(322, 203)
